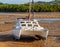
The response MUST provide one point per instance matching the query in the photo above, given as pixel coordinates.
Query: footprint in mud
(57, 39)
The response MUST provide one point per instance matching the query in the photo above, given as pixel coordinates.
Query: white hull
(29, 28)
(17, 34)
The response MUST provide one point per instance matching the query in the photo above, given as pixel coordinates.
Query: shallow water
(47, 19)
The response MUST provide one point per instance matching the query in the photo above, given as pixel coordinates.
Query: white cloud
(19, 1)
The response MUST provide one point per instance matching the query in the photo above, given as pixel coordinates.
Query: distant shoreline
(36, 14)
(25, 12)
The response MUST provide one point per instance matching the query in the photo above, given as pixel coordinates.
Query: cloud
(18, 1)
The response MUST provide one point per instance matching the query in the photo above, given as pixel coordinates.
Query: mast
(31, 9)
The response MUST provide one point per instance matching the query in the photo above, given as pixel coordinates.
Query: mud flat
(37, 15)
(53, 39)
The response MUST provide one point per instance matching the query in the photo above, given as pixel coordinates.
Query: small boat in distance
(29, 27)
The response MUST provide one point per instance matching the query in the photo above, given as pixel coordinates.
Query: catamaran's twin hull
(18, 33)
(29, 28)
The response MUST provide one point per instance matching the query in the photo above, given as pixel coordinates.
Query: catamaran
(29, 26)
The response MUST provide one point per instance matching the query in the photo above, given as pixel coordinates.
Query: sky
(19, 1)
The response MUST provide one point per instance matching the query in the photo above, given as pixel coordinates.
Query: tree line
(25, 7)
